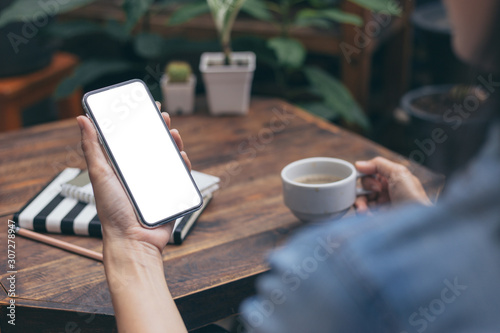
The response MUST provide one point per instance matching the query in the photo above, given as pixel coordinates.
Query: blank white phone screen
(144, 153)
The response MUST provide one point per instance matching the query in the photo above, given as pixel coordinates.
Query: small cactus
(178, 71)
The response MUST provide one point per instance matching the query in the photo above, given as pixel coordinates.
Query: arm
(132, 254)
(141, 299)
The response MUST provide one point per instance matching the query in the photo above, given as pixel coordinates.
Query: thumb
(94, 156)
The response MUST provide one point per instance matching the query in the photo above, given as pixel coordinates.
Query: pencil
(59, 244)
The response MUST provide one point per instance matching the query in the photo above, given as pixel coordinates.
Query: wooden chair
(19, 92)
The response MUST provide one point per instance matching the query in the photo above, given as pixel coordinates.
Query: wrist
(129, 250)
(129, 262)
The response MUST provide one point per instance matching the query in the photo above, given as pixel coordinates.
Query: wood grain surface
(215, 268)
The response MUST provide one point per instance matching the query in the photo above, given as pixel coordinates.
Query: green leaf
(89, 71)
(134, 10)
(335, 15)
(21, 10)
(257, 9)
(320, 109)
(341, 16)
(390, 6)
(289, 52)
(149, 46)
(187, 12)
(224, 13)
(336, 96)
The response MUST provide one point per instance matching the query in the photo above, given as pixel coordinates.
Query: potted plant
(227, 75)
(311, 87)
(437, 120)
(178, 86)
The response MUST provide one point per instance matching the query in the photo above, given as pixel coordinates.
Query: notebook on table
(80, 187)
(51, 211)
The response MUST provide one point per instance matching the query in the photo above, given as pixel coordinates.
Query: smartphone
(142, 152)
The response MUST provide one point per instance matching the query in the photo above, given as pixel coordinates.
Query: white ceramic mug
(319, 202)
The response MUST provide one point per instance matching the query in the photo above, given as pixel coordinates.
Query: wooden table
(215, 268)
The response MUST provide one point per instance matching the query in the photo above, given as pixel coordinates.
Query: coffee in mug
(318, 179)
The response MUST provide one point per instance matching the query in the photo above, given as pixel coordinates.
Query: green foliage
(389, 6)
(332, 100)
(289, 52)
(257, 9)
(20, 10)
(335, 97)
(224, 13)
(178, 71)
(286, 55)
(149, 46)
(187, 12)
(134, 10)
(310, 17)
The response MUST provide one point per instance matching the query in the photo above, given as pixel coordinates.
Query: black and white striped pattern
(49, 211)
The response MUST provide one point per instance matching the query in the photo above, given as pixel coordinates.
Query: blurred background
(384, 69)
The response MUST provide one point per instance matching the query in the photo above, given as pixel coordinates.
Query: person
(414, 268)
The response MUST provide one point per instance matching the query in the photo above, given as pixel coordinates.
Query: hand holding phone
(132, 254)
(142, 153)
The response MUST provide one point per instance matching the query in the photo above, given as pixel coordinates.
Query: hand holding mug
(390, 182)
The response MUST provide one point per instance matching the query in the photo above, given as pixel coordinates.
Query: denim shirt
(412, 269)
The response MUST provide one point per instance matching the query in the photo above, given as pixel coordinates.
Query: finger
(186, 159)
(158, 105)
(94, 156)
(166, 118)
(177, 138)
(361, 204)
(168, 227)
(380, 165)
(372, 184)
(383, 197)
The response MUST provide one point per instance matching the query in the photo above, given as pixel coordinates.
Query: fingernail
(361, 163)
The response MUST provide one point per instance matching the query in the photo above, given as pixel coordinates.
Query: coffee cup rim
(318, 159)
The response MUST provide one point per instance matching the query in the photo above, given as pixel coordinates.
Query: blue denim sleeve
(412, 270)
(314, 286)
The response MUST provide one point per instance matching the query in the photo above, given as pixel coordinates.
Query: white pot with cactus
(227, 75)
(178, 88)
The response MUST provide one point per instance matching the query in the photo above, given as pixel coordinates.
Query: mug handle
(361, 191)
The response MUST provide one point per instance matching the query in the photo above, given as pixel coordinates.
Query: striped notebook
(50, 211)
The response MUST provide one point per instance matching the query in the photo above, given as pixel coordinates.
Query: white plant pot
(228, 87)
(178, 97)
